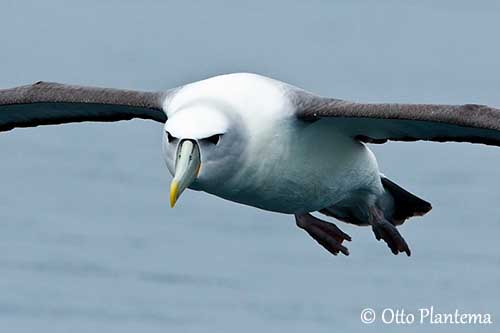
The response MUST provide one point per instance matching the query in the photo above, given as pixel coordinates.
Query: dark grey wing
(45, 103)
(378, 123)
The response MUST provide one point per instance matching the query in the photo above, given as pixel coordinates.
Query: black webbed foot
(385, 230)
(326, 234)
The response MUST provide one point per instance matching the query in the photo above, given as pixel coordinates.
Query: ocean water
(89, 244)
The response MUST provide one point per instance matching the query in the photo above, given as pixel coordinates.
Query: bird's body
(261, 142)
(295, 173)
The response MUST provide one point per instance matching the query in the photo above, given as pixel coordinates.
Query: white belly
(303, 169)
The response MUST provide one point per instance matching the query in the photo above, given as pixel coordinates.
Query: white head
(214, 124)
(202, 145)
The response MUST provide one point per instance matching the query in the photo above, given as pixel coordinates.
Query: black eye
(214, 139)
(170, 138)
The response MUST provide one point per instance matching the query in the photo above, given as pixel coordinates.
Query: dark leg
(325, 233)
(385, 230)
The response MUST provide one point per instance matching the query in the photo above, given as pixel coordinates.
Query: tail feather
(406, 204)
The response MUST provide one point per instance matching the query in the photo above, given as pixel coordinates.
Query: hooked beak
(187, 167)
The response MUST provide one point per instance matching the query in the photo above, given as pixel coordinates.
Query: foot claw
(392, 237)
(325, 233)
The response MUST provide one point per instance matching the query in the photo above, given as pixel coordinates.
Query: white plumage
(277, 164)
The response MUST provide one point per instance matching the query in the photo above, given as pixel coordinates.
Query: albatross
(260, 142)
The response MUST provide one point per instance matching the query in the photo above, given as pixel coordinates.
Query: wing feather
(47, 103)
(378, 123)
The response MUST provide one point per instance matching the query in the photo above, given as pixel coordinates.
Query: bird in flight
(267, 144)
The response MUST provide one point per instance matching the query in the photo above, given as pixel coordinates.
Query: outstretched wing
(378, 123)
(46, 103)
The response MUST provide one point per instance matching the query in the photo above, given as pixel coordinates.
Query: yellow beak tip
(174, 188)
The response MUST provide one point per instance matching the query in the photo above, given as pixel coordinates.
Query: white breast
(305, 169)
